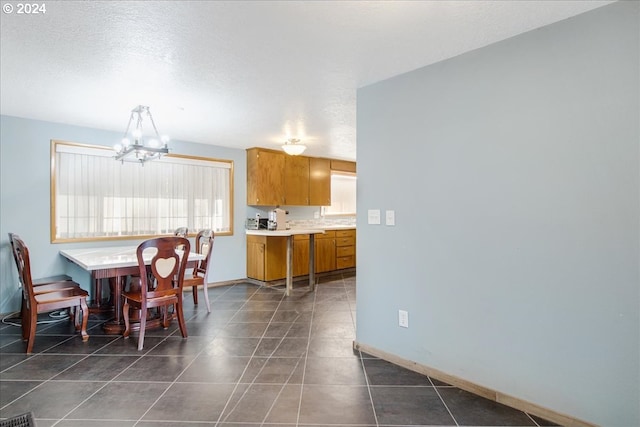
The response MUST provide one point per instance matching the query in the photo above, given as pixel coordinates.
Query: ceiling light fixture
(293, 147)
(133, 148)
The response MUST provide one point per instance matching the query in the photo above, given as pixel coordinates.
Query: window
(94, 197)
(343, 194)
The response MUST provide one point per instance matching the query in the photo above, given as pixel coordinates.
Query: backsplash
(322, 222)
(306, 217)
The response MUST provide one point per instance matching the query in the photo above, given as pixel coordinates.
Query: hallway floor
(258, 358)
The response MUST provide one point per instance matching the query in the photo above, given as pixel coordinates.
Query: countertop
(339, 227)
(306, 230)
(289, 232)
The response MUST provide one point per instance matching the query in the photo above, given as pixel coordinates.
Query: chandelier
(133, 147)
(293, 147)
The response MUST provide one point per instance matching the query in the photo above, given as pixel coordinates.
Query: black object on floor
(23, 420)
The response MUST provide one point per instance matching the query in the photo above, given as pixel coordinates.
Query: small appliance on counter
(277, 219)
(257, 223)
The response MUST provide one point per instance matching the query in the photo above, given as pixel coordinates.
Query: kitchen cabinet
(300, 255)
(277, 179)
(266, 257)
(325, 247)
(345, 249)
(296, 180)
(319, 181)
(265, 177)
(343, 166)
(255, 259)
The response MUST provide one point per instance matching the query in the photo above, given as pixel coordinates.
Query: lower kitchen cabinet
(325, 254)
(300, 255)
(267, 255)
(345, 249)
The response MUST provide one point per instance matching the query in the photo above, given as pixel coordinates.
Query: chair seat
(51, 279)
(192, 277)
(137, 297)
(59, 299)
(56, 287)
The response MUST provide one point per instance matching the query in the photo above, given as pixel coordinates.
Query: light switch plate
(390, 217)
(403, 318)
(373, 216)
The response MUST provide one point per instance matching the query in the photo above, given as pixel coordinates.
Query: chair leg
(74, 316)
(85, 319)
(125, 314)
(143, 327)
(194, 291)
(24, 315)
(181, 322)
(206, 296)
(165, 317)
(33, 324)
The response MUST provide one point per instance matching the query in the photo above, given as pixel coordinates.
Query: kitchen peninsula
(258, 249)
(274, 255)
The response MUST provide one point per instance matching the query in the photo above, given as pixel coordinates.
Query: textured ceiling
(239, 73)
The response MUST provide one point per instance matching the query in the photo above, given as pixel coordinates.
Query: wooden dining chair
(160, 285)
(36, 282)
(47, 297)
(197, 277)
(181, 232)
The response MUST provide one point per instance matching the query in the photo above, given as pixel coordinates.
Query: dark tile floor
(258, 358)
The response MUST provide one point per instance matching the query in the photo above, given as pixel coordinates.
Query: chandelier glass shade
(135, 147)
(293, 147)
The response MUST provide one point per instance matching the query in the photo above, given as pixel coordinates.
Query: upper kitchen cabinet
(296, 180)
(319, 182)
(274, 179)
(265, 177)
(343, 166)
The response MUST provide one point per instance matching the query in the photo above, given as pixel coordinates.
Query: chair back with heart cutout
(165, 275)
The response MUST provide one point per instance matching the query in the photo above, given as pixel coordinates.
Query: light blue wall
(514, 174)
(25, 202)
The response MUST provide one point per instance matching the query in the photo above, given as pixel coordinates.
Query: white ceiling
(239, 73)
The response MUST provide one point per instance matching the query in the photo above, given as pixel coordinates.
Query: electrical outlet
(403, 318)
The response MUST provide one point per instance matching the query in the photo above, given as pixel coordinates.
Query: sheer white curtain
(97, 197)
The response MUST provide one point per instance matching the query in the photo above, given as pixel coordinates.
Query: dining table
(115, 264)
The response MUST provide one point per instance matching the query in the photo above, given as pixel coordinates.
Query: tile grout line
(306, 356)
(442, 400)
(48, 380)
(224, 409)
(186, 367)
